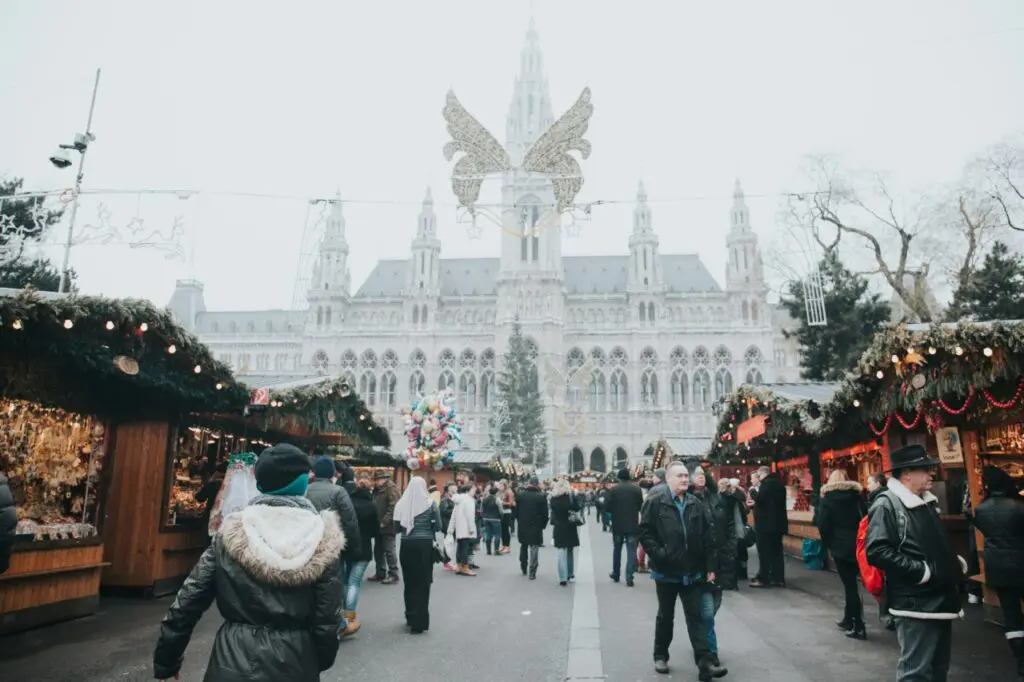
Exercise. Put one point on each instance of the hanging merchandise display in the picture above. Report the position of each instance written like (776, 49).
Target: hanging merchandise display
(52, 460)
(238, 489)
(433, 430)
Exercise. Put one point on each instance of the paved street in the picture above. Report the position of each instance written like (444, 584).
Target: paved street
(500, 627)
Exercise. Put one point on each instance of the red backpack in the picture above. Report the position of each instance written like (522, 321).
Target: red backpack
(873, 578)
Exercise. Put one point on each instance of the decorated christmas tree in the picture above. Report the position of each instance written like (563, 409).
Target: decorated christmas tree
(520, 433)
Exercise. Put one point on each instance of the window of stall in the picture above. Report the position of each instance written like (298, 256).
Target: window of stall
(197, 459)
(799, 481)
(53, 460)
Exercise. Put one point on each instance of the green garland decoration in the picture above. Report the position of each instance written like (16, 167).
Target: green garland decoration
(910, 368)
(329, 406)
(61, 351)
(790, 423)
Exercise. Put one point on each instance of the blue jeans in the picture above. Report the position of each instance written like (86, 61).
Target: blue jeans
(354, 584)
(565, 564)
(492, 534)
(710, 602)
(630, 541)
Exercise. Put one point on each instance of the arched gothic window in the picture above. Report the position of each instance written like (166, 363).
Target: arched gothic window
(467, 390)
(388, 383)
(723, 382)
(320, 362)
(679, 388)
(701, 389)
(619, 393)
(597, 460)
(598, 392)
(417, 385)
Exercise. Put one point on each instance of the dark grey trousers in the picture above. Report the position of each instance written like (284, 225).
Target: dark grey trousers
(925, 649)
(529, 553)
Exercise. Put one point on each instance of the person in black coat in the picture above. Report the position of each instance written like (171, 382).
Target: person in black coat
(563, 528)
(8, 524)
(532, 505)
(838, 517)
(359, 557)
(1000, 518)
(273, 572)
(770, 523)
(324, 494)
(728, 520)
(623, 503)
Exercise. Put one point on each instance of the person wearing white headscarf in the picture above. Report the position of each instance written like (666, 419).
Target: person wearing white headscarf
(419, 519)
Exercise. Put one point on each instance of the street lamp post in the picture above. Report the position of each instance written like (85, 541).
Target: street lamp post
(81, 145)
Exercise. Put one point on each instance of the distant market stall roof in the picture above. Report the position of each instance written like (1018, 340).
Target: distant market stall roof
(114, 357)
(763, 421)
(323, 406)
(688, 446)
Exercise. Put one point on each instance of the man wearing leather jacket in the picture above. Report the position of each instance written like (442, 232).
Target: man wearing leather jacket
(676, 533)
(907, 541)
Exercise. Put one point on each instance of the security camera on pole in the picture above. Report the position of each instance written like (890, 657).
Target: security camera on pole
(62, 159)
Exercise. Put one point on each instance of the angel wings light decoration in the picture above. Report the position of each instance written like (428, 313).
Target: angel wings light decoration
(483, 156)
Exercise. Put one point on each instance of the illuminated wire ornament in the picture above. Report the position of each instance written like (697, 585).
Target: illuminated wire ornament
(549, 157)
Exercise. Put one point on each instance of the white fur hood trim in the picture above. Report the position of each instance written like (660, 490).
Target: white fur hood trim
(841, 485)
(286, 546)
(909, 499)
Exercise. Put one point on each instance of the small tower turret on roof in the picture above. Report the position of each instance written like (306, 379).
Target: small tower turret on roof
(644, 260)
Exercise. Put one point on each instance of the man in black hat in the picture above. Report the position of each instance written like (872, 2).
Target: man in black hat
(908, 542)
(623, 503)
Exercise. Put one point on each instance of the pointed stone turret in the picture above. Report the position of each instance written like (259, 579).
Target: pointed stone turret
(425, 262)
(644, 261)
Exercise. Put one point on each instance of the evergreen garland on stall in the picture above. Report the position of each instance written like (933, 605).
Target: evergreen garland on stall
(108, 356)
(941, 371)
(330, 406)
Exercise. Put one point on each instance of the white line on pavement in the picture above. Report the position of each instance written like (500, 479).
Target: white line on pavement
(585, 631)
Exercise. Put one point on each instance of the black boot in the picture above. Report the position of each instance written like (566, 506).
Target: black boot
(710, 671)
(857, 630)
(1017, 645)
(845, 624)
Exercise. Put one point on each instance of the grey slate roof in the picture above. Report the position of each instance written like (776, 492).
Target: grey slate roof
(246, 321)
(682, 273)
(473, 457)
(819, 392)
(689, 446)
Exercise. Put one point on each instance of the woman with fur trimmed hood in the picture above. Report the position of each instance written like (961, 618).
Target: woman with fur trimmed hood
(273, 571)
(838, 516)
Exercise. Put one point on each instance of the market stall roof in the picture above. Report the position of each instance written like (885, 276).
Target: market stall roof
(324, 405)
(467, 457)
(113, 357)
(937, 373)
(818, 392)
(689, 446)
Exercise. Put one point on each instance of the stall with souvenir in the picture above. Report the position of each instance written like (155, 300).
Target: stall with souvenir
(84, 379)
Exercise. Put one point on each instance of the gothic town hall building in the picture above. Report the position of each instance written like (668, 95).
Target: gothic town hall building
(664, 336)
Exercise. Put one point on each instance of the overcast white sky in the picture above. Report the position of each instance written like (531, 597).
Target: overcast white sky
(303, 98)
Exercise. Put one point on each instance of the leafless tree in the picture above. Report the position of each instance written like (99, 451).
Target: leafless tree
(1003, 168)
(907, 240)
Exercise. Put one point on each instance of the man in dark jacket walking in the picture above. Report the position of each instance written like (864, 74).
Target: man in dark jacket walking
(533, 519)
(384, 548)
(771, 523)
(676, 532)
(623, 503)
(324, 494)
(908, 542)
(8, 523)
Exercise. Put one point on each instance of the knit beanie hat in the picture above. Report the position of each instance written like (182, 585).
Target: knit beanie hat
(347, 475)
(279, 467)
(623, 474)
(323, 468)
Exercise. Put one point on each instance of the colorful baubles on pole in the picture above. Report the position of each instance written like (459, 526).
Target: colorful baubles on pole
(433, 430)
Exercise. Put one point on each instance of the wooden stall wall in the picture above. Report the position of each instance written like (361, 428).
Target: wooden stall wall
(144, 556)
(49, 582)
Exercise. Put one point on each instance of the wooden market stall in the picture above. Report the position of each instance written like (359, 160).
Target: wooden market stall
(158, 538)
(799, 430)
(83, 381)
(958, 390)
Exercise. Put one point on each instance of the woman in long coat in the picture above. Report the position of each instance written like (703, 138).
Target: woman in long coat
(839, 512)
(566, 536)
(725, 510)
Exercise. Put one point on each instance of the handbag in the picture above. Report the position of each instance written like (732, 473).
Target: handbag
(439, 548)
(575, 515)
(745, 534)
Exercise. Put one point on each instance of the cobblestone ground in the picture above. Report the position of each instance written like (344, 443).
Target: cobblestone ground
(500, 627)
